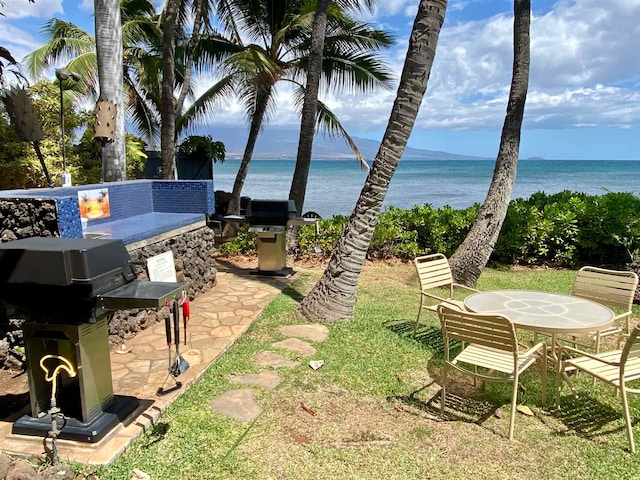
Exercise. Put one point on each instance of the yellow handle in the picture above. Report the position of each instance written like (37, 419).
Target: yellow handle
(52, 377)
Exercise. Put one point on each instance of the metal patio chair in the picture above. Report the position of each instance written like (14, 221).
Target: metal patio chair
(434, 272)
(491, 349)
(616, 367)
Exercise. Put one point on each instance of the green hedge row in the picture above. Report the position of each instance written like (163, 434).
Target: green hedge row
(564, 229)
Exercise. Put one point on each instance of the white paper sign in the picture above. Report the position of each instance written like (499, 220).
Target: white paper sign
(161, 268)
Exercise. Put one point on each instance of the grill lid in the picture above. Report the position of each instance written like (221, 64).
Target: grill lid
(270, 212)
(104, 264)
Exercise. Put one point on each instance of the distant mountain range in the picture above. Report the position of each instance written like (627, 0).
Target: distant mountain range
(280, 143)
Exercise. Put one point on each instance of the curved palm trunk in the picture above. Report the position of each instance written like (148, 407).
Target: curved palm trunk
(308, 121)
(333, 297)
(167, 107)
(254, 131)
(109, 54)
(473, 254)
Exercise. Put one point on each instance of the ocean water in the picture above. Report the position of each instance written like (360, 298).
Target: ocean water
(334, 185)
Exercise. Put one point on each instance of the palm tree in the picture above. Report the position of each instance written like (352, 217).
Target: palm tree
(167, 107)
(109, 56)
(474, 252)
(144, 63)
(333, 297)
(277, 49)
(310, 105)
(141, 60)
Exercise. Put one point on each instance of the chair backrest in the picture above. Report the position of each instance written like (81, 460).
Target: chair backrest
(493, 331)
(433, 271)
(613, 288)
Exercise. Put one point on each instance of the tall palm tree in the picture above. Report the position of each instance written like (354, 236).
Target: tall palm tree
(310, 105)
(141, 36)
(197, 48)
(333, 297)
(109, 56)
(474, 252)
(277, 49)
(167, 107)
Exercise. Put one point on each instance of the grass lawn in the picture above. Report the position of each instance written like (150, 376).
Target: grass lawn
(376, 405)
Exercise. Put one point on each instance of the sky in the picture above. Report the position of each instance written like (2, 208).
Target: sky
(584, 88)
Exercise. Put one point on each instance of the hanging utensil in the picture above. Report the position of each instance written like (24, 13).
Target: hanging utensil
(167, 328)
(181, 365)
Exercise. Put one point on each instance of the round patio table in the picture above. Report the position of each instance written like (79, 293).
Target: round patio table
(549, 313)
(546, 312)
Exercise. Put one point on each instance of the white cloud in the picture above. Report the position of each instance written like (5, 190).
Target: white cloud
(41, 9)
(16, 40)
(584, 70)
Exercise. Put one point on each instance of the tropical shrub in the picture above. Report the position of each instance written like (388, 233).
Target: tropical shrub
(564, 229)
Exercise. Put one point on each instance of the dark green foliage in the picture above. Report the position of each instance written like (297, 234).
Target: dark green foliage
(244, 244)
(19, 167)
(570, 229)
(565, 229)
(204, 148)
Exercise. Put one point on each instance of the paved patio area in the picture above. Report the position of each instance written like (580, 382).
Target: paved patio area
(218, 318)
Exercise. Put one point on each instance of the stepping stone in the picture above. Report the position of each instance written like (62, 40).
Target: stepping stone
(267, 379)
(315, 333)
(272, 359)
(237, 404)
(296, 345)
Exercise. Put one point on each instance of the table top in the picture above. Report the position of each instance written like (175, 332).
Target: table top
(543, 311)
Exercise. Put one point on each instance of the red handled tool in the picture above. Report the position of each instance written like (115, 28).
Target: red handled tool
(186, 312)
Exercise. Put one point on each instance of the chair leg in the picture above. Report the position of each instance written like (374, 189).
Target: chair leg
(559, 369)
(415, 329)
(514, 401)
(627, 418)
(544, 375)
(444, 387)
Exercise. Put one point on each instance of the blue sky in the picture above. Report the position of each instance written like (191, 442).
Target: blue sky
(584, 90)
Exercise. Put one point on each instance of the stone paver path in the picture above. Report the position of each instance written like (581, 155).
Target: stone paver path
(239, 404)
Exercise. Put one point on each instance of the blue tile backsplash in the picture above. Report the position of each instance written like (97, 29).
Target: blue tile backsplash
(134, 206)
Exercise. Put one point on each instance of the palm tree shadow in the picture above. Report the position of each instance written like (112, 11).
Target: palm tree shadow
(587, 417)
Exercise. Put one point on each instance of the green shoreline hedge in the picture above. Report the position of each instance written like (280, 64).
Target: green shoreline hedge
(565, 229)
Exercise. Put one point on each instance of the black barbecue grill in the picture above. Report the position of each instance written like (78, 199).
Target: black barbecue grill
(65, 290)
(269, 220)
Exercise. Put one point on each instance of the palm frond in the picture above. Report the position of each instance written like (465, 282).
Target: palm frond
(202, 108)
(327, 123)
(65, 41)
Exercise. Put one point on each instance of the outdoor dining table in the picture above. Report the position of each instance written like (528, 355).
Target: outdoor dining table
(544, 312)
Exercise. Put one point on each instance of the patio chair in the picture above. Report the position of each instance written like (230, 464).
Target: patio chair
(612, 288)
(491, 349)
(434, 272)
(616, 367)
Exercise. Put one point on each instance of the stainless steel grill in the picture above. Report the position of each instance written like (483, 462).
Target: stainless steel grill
(65, 291)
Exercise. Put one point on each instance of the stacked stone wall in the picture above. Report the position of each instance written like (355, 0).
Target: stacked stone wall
(27, 218)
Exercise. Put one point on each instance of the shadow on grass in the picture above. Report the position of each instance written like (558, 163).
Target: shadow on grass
(457, 408)
(429, 336)
(587, 417)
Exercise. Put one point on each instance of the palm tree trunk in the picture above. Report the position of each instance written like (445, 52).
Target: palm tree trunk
(309, 107)
(254, 131)
(168, 107)
(193, 42)
(109, 54)
(473, 254)
(333, 297)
